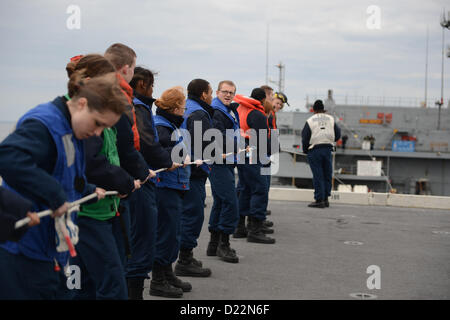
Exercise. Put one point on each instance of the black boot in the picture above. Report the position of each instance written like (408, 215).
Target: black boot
(173, 280)
(327, 204)
(256, 234)
(188, 266)
(241, 230)
(187, 254)
(265, 229)
(249, 224)
(268, 223)
(224, 250)
(213, 243)
(135, 288)
(159, 285)
(317, 204)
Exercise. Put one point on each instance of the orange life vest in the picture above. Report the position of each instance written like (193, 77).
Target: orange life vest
(247, 105)
(128, 92)
(274, 120)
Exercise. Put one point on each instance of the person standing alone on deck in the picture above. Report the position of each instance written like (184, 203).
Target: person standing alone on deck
(318, 137)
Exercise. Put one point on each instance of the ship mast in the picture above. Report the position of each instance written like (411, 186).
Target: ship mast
(426, 74)
(444, 24)
(267, 55)
(281, 77)
(280, 66)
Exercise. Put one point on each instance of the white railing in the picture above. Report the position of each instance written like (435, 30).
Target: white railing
(377, 101)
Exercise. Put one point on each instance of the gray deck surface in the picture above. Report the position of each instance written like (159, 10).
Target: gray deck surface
(310, 259)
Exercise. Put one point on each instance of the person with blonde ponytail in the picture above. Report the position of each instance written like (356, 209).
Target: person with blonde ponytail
(102, 272)
(44, 161)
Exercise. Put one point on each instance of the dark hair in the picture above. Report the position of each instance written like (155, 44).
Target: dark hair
(318, 105)
(91, 65)
(143, 74)
(196, 87)
(258, 94)
(120, 55)
(103, 93)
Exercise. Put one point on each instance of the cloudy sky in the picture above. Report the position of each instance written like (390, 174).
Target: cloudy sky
(324, 44)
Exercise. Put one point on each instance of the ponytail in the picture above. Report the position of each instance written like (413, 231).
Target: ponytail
(90, 65)
(171, 99)
(70, 68)
(103, 93)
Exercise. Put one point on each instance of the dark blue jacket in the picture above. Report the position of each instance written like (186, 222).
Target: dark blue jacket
(166, 123)
(258, 121)
(270, 118)
(203, 115)
(12, 208)
(28, 158)
(151, 149)
(68, 175)
(130, 159)
(225, 119)
(273, 137)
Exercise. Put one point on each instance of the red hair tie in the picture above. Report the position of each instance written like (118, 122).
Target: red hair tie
(76, 58)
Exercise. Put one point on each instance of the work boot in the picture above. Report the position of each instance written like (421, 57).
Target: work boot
(213, 243)
(241, 230)
(249, 224)
(159, 285)
(317, 204)
(135, 288)
(224, 250)
(327, 204)
(268, 223)
(173, 280)
(187, 254)
(188, 266)
(256, 234)
(266, 229)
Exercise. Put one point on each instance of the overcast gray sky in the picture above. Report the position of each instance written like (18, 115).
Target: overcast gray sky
(324, 44)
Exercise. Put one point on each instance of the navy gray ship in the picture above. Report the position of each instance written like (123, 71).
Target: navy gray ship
(385, 148)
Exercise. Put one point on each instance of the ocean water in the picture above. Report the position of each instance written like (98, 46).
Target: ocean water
(6, 128)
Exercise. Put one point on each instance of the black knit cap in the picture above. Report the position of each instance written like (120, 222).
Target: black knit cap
(318, 105)
(258, 94)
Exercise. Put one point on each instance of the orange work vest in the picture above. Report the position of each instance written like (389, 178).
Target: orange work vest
(247, 105)
(274, 120)
(128, 92)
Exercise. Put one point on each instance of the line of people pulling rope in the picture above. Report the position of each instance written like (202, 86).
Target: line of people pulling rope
(103, 135)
